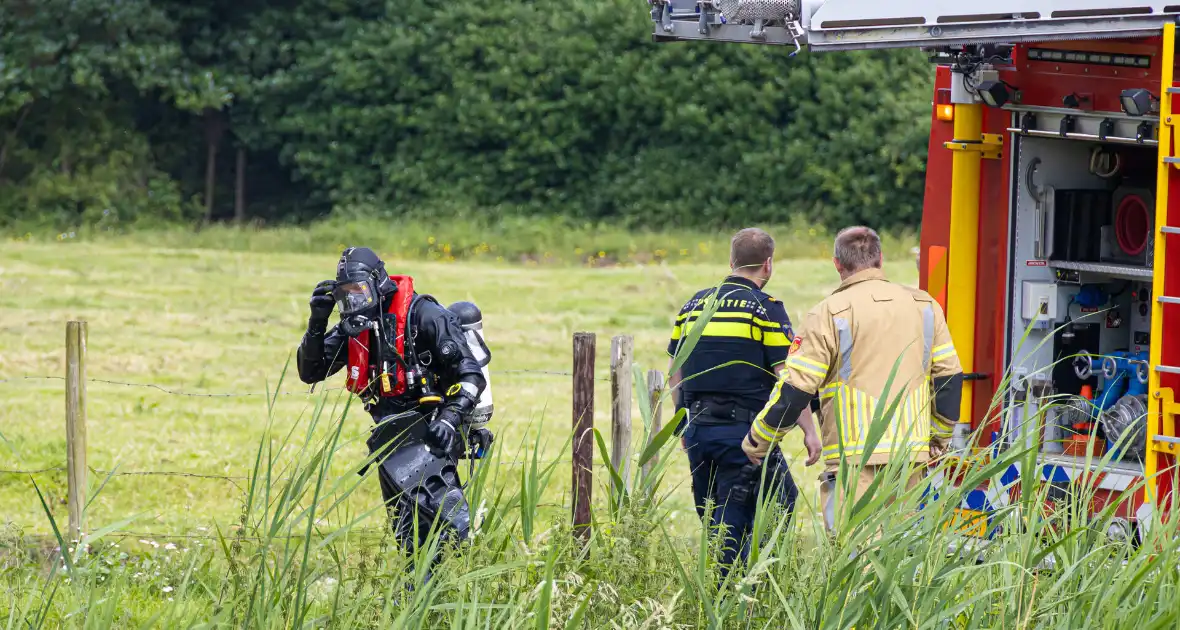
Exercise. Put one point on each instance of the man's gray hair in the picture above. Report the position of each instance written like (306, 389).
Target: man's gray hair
(857, 248)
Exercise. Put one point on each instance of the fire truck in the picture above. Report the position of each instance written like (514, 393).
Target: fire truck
(1051, 214)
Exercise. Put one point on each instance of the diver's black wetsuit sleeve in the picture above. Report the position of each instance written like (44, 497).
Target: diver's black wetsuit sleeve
(320, 354)
(451, 357)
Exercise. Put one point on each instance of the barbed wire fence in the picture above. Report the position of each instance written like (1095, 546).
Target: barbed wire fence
(582, 383)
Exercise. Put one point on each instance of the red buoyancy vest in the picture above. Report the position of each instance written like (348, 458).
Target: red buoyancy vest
(359, 370)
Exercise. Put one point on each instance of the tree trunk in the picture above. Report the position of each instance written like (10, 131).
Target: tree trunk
(210, 179)
(240, 187)
(213, 131)
(11, 137)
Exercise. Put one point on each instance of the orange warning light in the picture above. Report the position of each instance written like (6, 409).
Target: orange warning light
(945, 111)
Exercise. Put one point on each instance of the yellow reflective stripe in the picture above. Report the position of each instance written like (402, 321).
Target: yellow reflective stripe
(916, 407)
(765, 432)
(767, 323)
(943, 352)
(939, 428)
(811, 362)
(798, 363)
(676, 333)
(846, 412)
(841, 415)
(943, 348)
(906, 415)
(833, 451)
(775, 339)
(829, 391)
(693, 315)
(728, 329)
(774, 394)
(863, 414)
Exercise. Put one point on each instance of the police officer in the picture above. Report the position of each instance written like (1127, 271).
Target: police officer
(846, 352)
(410, 362)
(724, 382)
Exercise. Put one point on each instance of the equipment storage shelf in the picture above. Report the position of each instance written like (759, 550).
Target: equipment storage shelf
(1076, 463)
(1110, 270)
(1081, 304)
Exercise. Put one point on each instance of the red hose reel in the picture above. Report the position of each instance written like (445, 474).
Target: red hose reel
(1132, 225)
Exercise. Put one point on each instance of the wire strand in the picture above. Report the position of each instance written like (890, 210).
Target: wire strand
(175, 392)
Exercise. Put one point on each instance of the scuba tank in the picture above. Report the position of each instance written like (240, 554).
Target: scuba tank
(471, 320)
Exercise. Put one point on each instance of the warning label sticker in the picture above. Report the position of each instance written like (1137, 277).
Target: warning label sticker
(1036, 263)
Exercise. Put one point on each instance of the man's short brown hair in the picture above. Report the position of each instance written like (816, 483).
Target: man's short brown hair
(750, 248)
(857, 248)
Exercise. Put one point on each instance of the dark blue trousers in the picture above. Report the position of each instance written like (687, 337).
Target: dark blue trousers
(716, 458)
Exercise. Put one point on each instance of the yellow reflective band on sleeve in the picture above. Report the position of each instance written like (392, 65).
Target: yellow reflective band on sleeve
(815, 364)
(775, 339)
(774, 394)
(939, 428)
(676, 333)
(764, 432)
(829, 391)
(807, 365)
(943, 352)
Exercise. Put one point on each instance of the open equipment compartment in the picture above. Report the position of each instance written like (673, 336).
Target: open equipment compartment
(1079, 305)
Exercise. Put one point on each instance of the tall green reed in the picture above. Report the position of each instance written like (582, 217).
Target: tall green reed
(301, 555)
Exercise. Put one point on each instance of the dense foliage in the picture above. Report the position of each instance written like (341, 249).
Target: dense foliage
(114, 112)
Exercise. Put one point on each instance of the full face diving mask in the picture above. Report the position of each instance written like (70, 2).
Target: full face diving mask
(356, 300)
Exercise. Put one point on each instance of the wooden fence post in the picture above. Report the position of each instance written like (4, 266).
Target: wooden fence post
(76, 425)
(621, 380)
(583, 441)
(655, 389)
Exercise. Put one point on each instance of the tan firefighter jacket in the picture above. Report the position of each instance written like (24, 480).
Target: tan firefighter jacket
(845, 351)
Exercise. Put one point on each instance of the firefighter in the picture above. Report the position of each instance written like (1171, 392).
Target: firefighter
(412, 364)
(724, 382)
(846, 350)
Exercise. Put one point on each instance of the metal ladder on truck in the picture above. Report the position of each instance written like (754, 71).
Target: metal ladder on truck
(866, 24)
(1162, 405)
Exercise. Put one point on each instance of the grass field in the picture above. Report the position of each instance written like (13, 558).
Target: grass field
(218, 322)
(291, 541)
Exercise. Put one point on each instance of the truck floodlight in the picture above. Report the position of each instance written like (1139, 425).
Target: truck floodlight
(1136, 101)
(993, 93)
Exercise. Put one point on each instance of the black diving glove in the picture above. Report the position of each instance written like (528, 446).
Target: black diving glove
(322, 302)
(444, 432)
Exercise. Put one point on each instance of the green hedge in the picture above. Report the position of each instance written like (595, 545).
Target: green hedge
(545, 107)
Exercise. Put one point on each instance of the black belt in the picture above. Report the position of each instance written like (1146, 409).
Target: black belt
(709, 413)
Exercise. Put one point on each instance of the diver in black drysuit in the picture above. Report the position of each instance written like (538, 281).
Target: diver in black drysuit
(419, 485)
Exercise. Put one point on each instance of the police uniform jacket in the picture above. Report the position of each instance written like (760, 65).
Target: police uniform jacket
(846, 351)
(734, 358)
